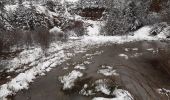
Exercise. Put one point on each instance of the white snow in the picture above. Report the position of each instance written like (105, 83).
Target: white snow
(165, 33)
(86, 92)
(24, 58)
(143, 33)
(135, 49)
(22, 80)
(80, 66)
(65, 68)
(72, 0)
(87, 62)
(120, 95)
(10, 7)
(55, 30)
(68, 80)
(124, 55)
(126, 49)
(41, 9)
(150, 49)
(102, 87)
(107, 71)
(136, 55)
(94, 54)
(163, 91)
(94, 28)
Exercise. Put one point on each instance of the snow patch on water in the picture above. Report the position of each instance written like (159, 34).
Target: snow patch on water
(86, 92)
(126, 49)
(124, 55)
(81, 66)
(135, 49)
(102, 87)
(68, 80)
(136, 55)
(150, 49)
(107, 71)
(120, 95)
(163, 91)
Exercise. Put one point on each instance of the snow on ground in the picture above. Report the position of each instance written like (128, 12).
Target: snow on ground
(80, 66)
(38, 67)
(22, 80)
(24, 58)
(124, 56)
(143, 33)
(120, 95)
(107, 71)
(69, 79)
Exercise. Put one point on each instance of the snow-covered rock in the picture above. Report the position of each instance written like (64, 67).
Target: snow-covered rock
(124, 55)
(120, 95)
(68, 80)
(107, 71)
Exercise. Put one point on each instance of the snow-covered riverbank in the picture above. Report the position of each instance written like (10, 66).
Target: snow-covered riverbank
(30, 63)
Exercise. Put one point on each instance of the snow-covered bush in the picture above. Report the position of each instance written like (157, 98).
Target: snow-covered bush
(51, 5)
(158, 28)
(165, 33)
(74, 25)
(57, 34)
(122, 20)
(27, 18)
(133, 14)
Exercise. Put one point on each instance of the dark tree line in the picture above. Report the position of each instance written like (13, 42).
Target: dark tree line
(24, 26)
(129, 15)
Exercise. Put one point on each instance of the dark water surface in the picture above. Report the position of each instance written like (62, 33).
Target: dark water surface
(141, 74)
